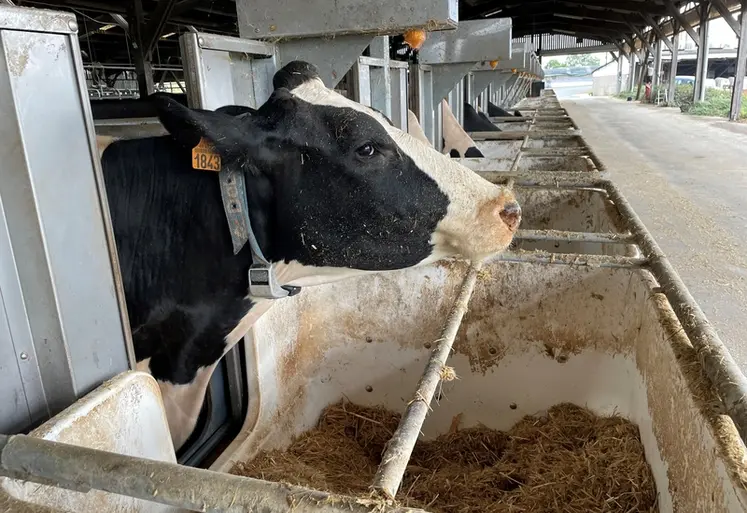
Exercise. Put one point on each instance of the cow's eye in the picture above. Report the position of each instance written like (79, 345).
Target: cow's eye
(367, 150)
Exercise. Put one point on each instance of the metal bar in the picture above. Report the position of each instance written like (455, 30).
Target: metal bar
(235, 44)
(399, 448)
(143, 66)
(566, 236)
(361, 84)
(520, 134)
(81, 469)
(726, 15)
(373, 61)
(154, 29)
(121, 21)
(381, 76)
(543, 257)
(677, 15)
(736, 94)
(718, 364)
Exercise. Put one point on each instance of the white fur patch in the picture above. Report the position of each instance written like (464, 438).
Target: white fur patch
(414, 128)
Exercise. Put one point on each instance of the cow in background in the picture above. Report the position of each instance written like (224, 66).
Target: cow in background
(494, 111)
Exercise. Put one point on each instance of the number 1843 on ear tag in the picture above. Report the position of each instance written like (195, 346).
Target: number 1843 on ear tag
(205, 157)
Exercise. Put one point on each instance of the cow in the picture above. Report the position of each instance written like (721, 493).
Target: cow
(333, 191)
(473, 122)
(496, 112)
(457, 143)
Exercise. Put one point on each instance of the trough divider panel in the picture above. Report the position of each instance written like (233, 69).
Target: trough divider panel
(399, 448)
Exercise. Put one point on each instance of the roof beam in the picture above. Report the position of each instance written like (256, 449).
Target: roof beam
(618, 6)
(657, 30)
(154, 29)
(562, 11)
(727, 16)
(674, 11)
(569, 27)
(623, 6)
(639, 35)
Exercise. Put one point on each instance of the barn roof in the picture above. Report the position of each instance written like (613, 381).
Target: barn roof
(104, 37)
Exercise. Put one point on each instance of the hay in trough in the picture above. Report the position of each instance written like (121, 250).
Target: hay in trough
(569, 460)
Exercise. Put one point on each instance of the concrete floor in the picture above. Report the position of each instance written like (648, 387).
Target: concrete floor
(686, 178)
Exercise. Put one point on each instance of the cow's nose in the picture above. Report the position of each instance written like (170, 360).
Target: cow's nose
(511, 215)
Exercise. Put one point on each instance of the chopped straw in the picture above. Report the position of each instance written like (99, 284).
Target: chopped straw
(569, 460)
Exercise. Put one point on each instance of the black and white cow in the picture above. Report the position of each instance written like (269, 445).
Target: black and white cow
(473, 122)
(495, 111)
(334, 190)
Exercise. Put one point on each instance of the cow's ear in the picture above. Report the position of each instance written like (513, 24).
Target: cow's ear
(226, 133)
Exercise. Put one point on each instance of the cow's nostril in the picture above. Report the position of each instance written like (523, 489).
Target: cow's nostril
(511, 214)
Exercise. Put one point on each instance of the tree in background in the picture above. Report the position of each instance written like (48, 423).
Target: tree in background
(554, 63)
(582, 60)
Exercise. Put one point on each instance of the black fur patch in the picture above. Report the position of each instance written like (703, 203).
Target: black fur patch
(473, 122)
(473, 152)
(454, 154)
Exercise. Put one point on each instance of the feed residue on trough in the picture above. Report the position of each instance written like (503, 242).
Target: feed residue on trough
(568, 460)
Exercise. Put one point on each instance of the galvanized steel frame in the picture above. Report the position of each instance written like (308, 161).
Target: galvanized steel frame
(63, 322)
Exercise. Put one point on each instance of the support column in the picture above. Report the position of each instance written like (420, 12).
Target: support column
(656, 79)
(631, 74)
(736, 94)
(619, 82)
(702, 68)
(673, 68)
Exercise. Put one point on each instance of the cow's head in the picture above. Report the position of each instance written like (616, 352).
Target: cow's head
(334, 187)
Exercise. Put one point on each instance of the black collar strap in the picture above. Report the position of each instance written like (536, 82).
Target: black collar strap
(262, 280)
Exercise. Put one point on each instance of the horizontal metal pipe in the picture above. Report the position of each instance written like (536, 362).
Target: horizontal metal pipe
(567, 236)
(520, 134)
(81, 469)
(543, 257)
(717, 362)
(399, 448)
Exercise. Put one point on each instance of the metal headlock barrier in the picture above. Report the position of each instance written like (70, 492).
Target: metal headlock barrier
(543, 150)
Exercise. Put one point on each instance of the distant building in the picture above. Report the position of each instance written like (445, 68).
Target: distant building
(604, 80)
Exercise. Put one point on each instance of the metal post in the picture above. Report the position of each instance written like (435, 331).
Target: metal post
(673, 68)
(381, 78)
(619, 84)
(736, 94)
(469, 89)
(63, 321)
(702, 67)
(143, 66)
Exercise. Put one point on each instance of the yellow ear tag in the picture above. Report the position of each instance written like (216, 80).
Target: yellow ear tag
(204, 156)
